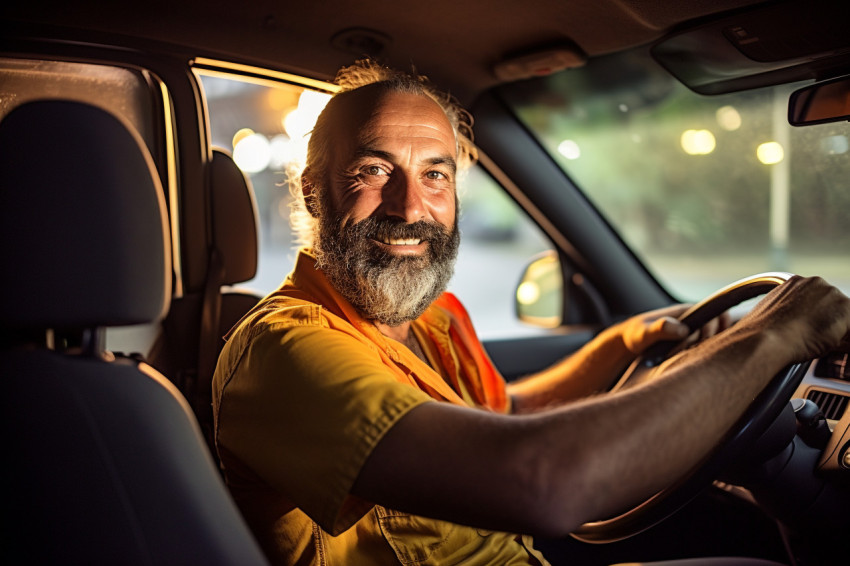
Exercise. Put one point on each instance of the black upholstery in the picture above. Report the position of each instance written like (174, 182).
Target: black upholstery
(103, 461)
(83, 240)
(191, 336)
(234, 219)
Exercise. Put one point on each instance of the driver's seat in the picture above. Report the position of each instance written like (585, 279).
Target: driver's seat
(103, 461)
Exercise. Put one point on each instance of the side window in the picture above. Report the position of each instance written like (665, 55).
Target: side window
(264, 126)
(498, 241)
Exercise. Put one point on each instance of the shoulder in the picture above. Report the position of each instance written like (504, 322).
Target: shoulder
(450, 303)
(278, 311)
(273, 319)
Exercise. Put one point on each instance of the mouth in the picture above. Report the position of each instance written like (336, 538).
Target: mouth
(401, 241)
(402, 246)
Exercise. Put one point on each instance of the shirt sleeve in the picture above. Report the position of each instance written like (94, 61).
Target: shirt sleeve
(304, 409)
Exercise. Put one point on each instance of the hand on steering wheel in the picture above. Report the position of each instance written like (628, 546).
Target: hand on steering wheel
(761, 413)
(642, 331)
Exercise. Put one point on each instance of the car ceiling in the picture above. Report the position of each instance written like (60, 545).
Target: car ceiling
(456, 42)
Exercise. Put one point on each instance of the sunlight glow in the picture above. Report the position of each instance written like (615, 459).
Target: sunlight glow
(299, 122)
(281, 153)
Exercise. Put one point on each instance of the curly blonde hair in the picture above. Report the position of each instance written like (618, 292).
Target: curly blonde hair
(366, 73)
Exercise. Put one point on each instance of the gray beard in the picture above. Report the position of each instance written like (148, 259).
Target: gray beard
(383, 287)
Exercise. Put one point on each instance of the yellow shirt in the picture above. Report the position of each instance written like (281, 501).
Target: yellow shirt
(304, 390)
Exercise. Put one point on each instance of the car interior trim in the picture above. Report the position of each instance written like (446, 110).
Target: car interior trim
(227, 69)
(172, 190)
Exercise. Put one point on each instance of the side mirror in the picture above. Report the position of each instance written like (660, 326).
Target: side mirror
(820, 103)
(540, 293)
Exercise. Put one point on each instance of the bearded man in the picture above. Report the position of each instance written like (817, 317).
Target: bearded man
(358, 418)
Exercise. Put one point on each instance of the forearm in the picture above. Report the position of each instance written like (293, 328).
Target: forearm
(590, 370)
(621, 450)
(552, 471)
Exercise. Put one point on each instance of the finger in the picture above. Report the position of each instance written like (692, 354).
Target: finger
(724, 321)
(709, 329)
(669, 328)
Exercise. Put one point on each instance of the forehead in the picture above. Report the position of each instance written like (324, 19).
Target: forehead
(396, 116)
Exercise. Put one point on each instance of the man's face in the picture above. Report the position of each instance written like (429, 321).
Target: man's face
(387, 230)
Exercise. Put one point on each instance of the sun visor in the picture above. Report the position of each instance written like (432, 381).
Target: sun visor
(774, 44)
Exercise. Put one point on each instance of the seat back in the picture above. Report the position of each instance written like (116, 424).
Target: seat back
(191, 336)
(104, 462)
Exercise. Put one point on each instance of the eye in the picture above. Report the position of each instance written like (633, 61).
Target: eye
(436, 176)
(373, 170)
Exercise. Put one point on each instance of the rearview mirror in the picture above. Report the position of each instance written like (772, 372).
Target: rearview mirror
(820, 103)
(540, 293)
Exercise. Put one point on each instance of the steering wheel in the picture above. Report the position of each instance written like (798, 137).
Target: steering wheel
(755, 420)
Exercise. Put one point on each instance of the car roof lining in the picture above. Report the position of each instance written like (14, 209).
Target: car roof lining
(305, 38)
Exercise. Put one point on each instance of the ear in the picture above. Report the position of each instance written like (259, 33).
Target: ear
(308, 191)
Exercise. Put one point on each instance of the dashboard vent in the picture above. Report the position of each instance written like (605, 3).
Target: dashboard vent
(832, 405)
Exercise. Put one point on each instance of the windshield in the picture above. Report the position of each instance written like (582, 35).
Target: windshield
(705, 190)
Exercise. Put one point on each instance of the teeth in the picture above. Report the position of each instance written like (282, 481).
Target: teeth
(401, 242)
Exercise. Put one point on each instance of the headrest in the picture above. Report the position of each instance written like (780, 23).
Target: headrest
(83, 237)
(234, 219)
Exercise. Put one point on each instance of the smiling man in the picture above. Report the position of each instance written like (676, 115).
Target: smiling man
(388, 234)
(358, 418)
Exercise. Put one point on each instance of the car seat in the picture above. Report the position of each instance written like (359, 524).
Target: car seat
(104, 462)
(191, 337)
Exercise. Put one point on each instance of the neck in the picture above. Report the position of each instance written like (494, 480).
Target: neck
(400, 333)
(403, 335)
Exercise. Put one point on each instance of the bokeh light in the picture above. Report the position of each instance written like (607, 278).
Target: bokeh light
(728, 118)
(698, 142)
(252, 153)
(569, 149)
(528, 293)
(770, 153)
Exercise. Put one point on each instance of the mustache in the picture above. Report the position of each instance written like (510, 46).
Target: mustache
(394, 228)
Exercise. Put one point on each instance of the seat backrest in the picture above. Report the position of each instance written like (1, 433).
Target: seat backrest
(191, 336)
(103, 461)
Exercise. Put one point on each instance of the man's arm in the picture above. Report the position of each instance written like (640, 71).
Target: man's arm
(550, 472)
(593, 368)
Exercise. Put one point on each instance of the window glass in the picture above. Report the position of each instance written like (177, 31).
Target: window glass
(263, 127)
(705, 189)
(498, 241)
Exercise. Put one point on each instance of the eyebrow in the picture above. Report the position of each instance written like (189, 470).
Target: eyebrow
(366, 151)
(444, 160)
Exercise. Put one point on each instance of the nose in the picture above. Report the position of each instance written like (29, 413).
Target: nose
(404, 197)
